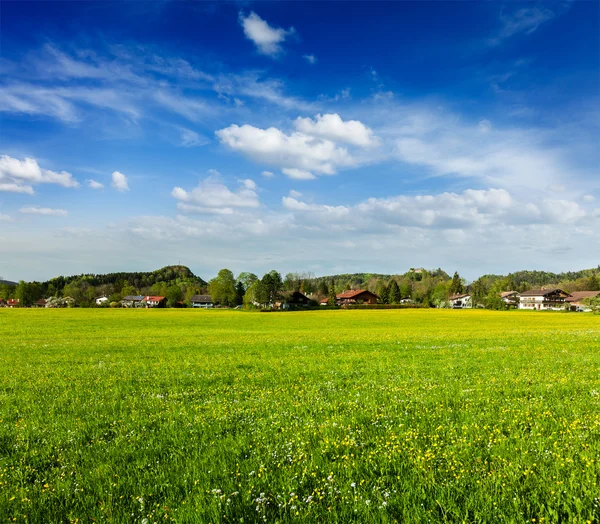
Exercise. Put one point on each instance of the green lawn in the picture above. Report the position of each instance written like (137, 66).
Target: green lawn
(333, 416)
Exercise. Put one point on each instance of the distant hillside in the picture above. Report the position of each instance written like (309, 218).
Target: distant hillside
(7, 283)
(138, 280)
(535, 278)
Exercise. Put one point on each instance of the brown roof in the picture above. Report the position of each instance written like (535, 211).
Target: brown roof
(153, 298)
(505, 294)
(542, 292)
(456, 297)
(202, 299)
(354, 293)
(41, 302)
(576, 296)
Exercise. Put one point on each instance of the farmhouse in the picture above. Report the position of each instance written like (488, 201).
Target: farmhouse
(461, 301)
(510, 298)
(360, 296)
(132, 301)
(292, 299)
(543, 299)
(40, 303)
(12, 302)
(202, 301)
(155, 301)
(102, 301)
(576, 300)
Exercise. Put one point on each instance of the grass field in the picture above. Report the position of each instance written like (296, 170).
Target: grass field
(337, 416)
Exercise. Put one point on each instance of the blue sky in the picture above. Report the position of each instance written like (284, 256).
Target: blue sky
(323, 137)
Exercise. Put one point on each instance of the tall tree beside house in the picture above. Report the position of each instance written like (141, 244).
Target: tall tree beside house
(273, 285)
(394, 293)
(222, 288)
(456, 287)
(174, 295)
(381, 290)
(331, 298)
(27, 293)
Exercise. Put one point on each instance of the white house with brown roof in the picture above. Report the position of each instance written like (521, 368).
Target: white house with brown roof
(510, 298)
(543, 299)
(461, 301)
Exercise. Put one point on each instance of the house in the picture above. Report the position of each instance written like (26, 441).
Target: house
(359, 296)
(102, 301)
(132, 301)
(155, 301)
(510, 298)
(576, 300)
(12, 302)
(324, 301)
(543, 299)
(292, 300)
(202, 301)
(461, 301)
(406, 300)
(40, 303)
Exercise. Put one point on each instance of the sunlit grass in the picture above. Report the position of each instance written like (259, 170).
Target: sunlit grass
(336, 416)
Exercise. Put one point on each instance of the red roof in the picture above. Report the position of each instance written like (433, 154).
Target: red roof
(12, 301)
(153, 298)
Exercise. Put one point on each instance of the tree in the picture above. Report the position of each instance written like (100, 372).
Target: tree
(331, 299)
(271, 284)
(222, 288)
(239, 293)
(174, 295)
(322, 289)
(247, 279)
(456, 287)
(24, 294)
(593, 283)
(394, 293)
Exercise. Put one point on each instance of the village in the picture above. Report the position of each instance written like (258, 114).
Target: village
(551, 299)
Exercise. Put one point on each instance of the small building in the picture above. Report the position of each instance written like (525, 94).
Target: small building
(359, 296)
(510, 298)
(202, 301)
(130, 301)
(543, 299)
(292, 299)
(324, 301)
(102, 301)
(12, 302)
(577, 298)
(461, 301)
(152, 301)
(406, 300)
(40, 303)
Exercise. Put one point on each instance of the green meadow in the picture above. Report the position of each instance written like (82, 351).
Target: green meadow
(327, 416)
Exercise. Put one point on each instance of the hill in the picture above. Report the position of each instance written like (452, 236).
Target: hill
(7, 283)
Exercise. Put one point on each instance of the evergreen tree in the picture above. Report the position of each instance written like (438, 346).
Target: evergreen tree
(323, 290)
(456, 287)
(331, 300)
(394, 293)
(593, 283)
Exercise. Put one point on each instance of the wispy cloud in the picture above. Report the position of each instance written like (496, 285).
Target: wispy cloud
(92, 184)
(527, 20)
(311, 59)
(46, 211)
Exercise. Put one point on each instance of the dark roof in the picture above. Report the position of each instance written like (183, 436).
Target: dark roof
(295, 296)
(202, 299)
(576, 296)
(355, 293)
(41, 302)
(456, 297)
(541, 292)
(134, 298)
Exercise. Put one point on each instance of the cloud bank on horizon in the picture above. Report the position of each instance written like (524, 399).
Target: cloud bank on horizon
(265, 142)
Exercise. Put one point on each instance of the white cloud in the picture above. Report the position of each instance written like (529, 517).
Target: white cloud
(18, 176)
(268, 174)
(92, 184)
(119, 181)
(298, 155)
(333, 127)
(311, 59)
(213, 196)
(298, 174)
(588, 198)
(295, 194)
(35, 210)
(266, 38)
(5, 218)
